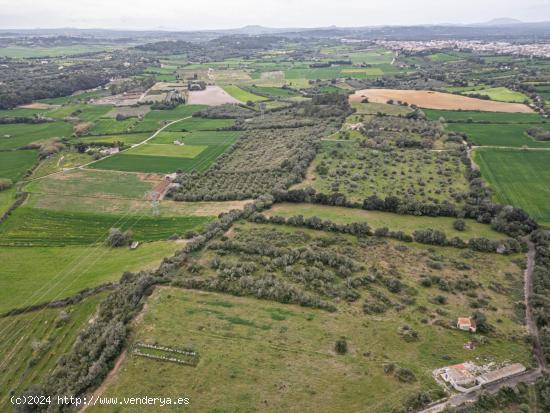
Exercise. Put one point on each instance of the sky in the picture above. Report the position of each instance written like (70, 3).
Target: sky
(224, 14)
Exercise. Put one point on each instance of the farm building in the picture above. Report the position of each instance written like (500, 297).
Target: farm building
(501, 373)
(466, 324)
(459, 374)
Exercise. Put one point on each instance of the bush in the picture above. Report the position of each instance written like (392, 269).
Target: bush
(341, 346)
(5, 184)
(405, 375)
(459, 225)
(118, 238)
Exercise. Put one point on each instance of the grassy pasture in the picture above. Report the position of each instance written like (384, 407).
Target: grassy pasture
(372, 57)
(482, 117)
(25, 112)
(513, 135)
(374, 108)
(242, 95)
(7, 197)
(126, 138)
(502, 94)
(378, 219)
(274, 91)
(88, 113)
(113, 126)
(22, 365)
(14, 164)
(154, 119)
(41, 274)
(213, 144)
(200, 124)
(93, 183)
(272, 357)
(59, 161)
(18, 135)
(39, 227)
(518, 178)
(171, 150)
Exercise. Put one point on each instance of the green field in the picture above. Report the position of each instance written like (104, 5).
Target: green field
(41, 274)
(200, 124)
(127, 138)
(7, 196)
(170, 150)
(372, 57)
(374, 108)
(154, 119)
(14, 164)
(207, 147)
(40, 227)
(242, 95)
(82, 111)
(378, 219)
(502, 94)
(274, 91)
(18, 135)
(263, 356)
(513, 135)
(59, 161)
(92, 183)
(25, 112)
(33, 342)
(482, 117)
(518, 178)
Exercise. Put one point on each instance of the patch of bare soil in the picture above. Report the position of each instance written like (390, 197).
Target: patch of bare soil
(437, 100)
(212, 95)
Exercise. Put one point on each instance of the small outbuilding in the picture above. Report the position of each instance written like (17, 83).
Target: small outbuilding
(466, 324)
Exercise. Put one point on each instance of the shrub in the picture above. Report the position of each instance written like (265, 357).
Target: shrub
(118, 238)
(5, 183)
(405, 375)
(341, 346)
(459, 225)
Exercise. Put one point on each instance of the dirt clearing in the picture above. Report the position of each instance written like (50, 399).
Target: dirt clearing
(213, 96)
(437, 100)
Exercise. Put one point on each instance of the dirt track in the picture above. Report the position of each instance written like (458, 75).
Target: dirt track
(437, 100)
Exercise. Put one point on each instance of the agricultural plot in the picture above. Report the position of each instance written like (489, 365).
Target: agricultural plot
(125, 138)
(211, 96)
(518, 178)
(242, 95)
(371, 57)
(155, 119)
(102, 184)
(7, 196)
(463, 116)
(197, 152)
(15, 136)
(24, 112)
(358, 172)
(40, 227)
(248, 347)
(60, 161)
(513, 135)
(276, 92)
(200, 124)
(14, 164)
(88, 113)
(33, 342)
(113, 126)
(502, 94)
(437, 100)
(42, 274)
(374, 108)
(377, 219)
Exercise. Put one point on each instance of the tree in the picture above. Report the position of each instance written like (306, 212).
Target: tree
(118, 238)
(5, 184)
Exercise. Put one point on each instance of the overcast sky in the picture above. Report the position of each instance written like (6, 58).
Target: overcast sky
(215, 14)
